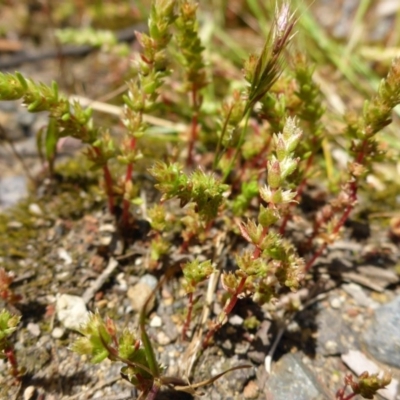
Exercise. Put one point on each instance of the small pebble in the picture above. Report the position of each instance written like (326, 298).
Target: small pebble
(71, 311)
(331, 346)
(29, 392)
(242, 348)
(138, 295)
(359, 295)
(109, 228)
(336, 303)
(57, 333)
(227, 345)
(14, 225)
(35, 209)
(150, 280)
(156, 322)
(33, 329)
(123, 285)
(235, 320)
(65, 256)
(163, 339)
(63, 276)
(106, 239)
(250, 391)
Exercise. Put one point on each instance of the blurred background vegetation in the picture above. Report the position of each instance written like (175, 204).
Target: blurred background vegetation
(350, 42)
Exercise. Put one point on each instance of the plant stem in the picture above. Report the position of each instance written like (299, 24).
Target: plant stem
(193, 127)
(128, 178)
(254, 163)
(257, 250)
(348, 209)
(10, 354)
(188, 316)
(239, 146)
(226, 311)
(153, 391)
(218, 156)
(108, 182)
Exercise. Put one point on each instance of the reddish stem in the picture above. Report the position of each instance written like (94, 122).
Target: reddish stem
(188, 316)
(257, 250)
(191, 235)
(350, 396)
(185, 243)
(337, 227)
(128, 178)
(347, 211)
(341, 393)
(193, 129)
(109, 183)
(153, 392)
(227, 310)
(10, 354)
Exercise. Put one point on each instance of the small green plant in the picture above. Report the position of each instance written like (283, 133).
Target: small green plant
(101, 339)
(6, 293)
(8, 325)
(366, 385)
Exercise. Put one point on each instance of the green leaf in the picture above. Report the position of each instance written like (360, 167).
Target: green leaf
(51, 138)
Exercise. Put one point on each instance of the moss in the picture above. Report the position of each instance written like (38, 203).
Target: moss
(69, 196)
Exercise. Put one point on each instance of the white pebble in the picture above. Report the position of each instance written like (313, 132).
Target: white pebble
(29, 392)
(57, 333)
(336, 303)
(71, 311)
(35, 209)
(156, 322)
(33, 329)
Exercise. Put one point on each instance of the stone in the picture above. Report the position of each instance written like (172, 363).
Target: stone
(236, 320)
(163, 339)
(382, 338)
(359, 295)
(250, 391)
(57, 333)
(35, 209)
(29, 393)
(139, 293)
(65, 256)
(235, 381)
(71, 311)
(156, 322)
(12, 189)
(33, 329)
(292, 379)
(332, 332)
(336, 303)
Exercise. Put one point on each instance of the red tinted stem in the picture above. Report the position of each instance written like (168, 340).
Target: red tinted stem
(227, 310)
(348, 209)
(10, 354)
(188, 316)
(193, 129)
(108, 182)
